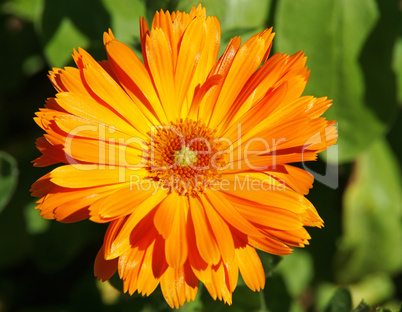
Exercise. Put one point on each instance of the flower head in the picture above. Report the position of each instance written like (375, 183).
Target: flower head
(185, 155)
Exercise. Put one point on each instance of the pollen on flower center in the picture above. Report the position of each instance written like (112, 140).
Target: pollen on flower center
(185, 157)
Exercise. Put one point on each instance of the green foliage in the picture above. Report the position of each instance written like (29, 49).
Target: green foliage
(372, 216)
(341, 301)
(354, 50)
(8, 178)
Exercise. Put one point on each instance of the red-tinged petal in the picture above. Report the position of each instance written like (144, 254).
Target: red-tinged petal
(201, 269)
(218, 288)
(122, 240)
(159, 264)
(251, 268)
(104, 269)
(42, 186)
(147, 282)
(144, 32)
(232, 273)
(51, 154)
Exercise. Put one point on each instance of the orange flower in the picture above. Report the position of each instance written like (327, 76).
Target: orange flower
(186, 157)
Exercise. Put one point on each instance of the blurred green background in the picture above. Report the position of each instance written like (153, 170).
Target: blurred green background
(354, 50)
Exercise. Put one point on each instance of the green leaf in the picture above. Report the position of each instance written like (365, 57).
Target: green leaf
(341, 301)
(397, 67)
(375, 288)
(67, 37)
(350, 61)
(297, 270)
(34, 222)
(26, 9)
(372, 216)
(8, 178)
(71, 24)
(125, 16)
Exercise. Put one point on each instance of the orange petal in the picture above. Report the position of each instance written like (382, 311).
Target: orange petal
(221, 68)
(221, 231)
(254, 188)
(86, 107)
(67, 79)
(251, 268)
(201, 269)
(159, 58)
(246, 61)
(205, 238)
(147, 282)
(231, 215)
(298, 179)
(129, 265)
(176, 247)
(82, 175)
(111, 233)
(178, 286)
(134, 77)
(70, 205)
(120, 203)
(112, 95)
(191, 46)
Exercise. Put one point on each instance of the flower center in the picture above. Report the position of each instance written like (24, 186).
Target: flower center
(185, 157)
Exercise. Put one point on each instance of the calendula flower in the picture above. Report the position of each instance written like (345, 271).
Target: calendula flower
(185, 155)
